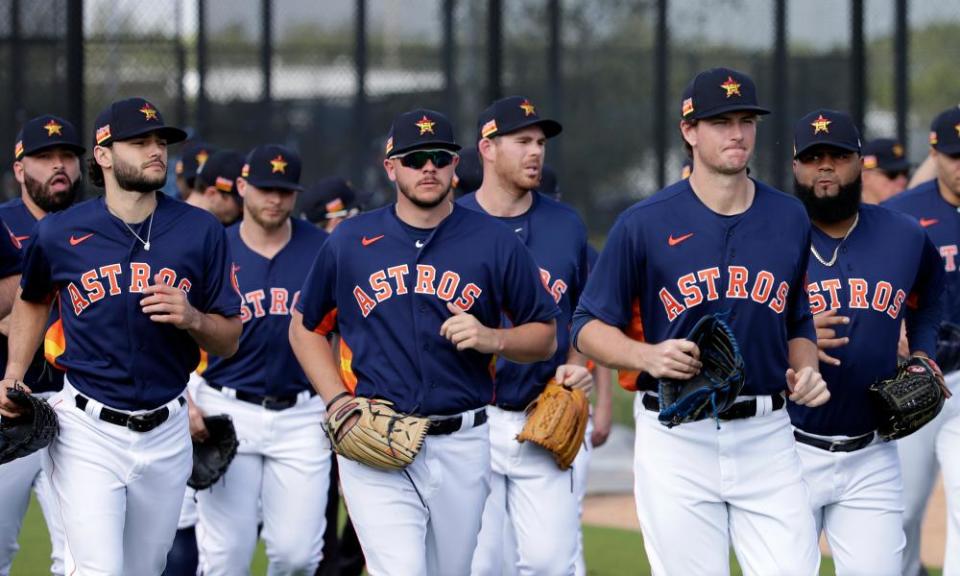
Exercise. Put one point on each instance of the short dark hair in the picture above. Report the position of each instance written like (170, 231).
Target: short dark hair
(95, 172)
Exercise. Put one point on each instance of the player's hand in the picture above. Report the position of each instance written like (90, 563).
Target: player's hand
(574, 376)
(807, 387)
(466, 332)
(827, 336)
(168, 305)
(602, 423)
(10, 409)
(678, 359)
(198, 430)
(938, 373)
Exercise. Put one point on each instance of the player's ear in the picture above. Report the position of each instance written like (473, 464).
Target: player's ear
(688, 133)
(487, 149)
(241, 186)
(390, 169)
(18, 171)
(103, 156)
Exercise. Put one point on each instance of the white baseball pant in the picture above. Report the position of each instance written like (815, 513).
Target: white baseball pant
(424, 519)
(856, 498)
(935, 446)
(119, 491)
(538, 501)
(699, 490)
(282, 468)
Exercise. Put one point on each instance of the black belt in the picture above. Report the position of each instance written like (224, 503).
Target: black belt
(849, 445)
(144, 422)
(268, 402)
(451, 425)
(740, 410)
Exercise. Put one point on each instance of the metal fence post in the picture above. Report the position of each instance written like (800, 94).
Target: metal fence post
(660, 87)
(16, 66)
(203, 106)
(448, 56)
(901, 71)
(266, 66)
(555, 70)
(494, 50)
(781, 93)
(858, 62)
(360, 98)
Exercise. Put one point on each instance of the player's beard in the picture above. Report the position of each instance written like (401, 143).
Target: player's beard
(133, 179)
(268, 222)
(830, 209)
(45, 198)
(426, 204)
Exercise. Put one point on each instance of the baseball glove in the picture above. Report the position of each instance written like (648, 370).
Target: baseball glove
(34, 429)
(948, 347)
(212, 456)
(907, 401)
(715, 388)
(369, 431)
(556, 421)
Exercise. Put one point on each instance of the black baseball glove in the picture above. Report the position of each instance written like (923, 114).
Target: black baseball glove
(908, 400)
(715, 388)
(212, 456)
(948, 347)
(34, 429)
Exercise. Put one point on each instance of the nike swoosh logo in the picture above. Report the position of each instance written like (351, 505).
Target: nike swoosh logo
(368, 241)
(674, 241)
(926, 222)
(74, 240)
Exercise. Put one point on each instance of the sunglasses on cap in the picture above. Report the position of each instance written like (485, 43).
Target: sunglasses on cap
(418, 158)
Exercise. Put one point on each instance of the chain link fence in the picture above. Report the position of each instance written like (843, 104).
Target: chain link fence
(327, 77)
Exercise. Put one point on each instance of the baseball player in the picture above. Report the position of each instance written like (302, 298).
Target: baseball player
(47, 168)
(871, 268)
(417, 290)
(886, 170)
(284, 457)
(141, 281)
(527, 488)
(193, 155)
(215, 186)
(717, 242)
(935, 205)
(329, 202)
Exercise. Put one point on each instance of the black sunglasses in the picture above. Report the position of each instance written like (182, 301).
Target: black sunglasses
(418, 159)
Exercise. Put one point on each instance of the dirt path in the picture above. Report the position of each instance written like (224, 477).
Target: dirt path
(618, 511)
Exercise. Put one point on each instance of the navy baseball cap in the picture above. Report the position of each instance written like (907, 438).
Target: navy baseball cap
(221, 171)
(945, 132)
(469, 172)
(717, 91)
(419, 129)
(331, 197)
(885, 154)
(126, 119)
(43, 132)
(511, 114)
(824, 127)
(193, 155)
(272, 166)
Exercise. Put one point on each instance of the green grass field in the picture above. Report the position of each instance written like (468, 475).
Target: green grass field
(609, 552)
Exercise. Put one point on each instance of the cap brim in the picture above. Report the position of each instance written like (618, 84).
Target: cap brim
(435, 145)
(949, 149)
(730, 108)
(171, 134)
(550, 128)
(278, 184)
(79, 150)
(895, 166)
(841, 146)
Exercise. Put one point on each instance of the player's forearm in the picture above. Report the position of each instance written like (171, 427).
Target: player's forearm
(576, 358)
(27, 322)
(218, 335)
(803, 354)
(315, 355)
(530, 342)
(603, 384)
(8, 293)
(609, 346)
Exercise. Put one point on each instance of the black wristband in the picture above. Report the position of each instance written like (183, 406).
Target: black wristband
(337, 397)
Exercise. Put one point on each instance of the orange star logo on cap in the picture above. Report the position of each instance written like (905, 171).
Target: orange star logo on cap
(821, 124)
(278, 164)
(149, 112)
(528, 108)
(53, 128)
(731, 86)
(898, 151)
(425, 125)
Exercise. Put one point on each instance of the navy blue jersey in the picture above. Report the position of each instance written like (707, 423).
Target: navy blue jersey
(592, 257)
(669, 260)
(264, 364)
(41, 376)
(557, 238)
(886, 270)
(942, 223)
(9, 252)
(387, 290)
(111, 350)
